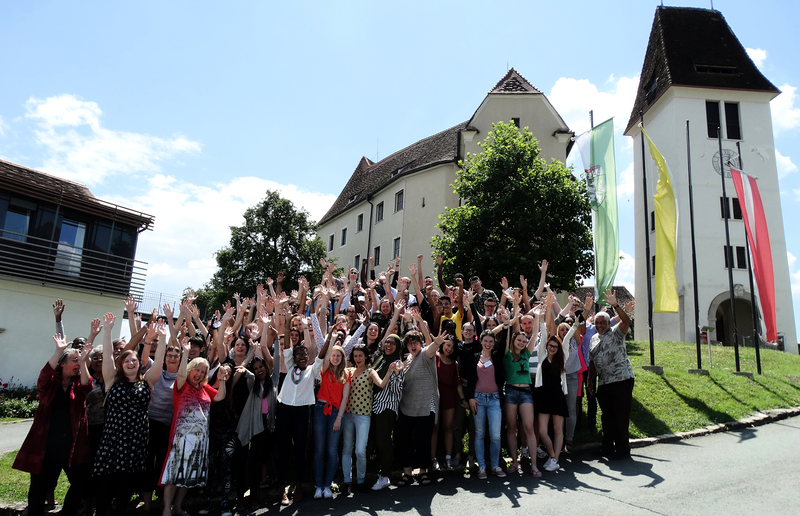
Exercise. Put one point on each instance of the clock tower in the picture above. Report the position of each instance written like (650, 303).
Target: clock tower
(697, 73)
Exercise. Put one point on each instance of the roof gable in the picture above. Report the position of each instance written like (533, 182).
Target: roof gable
(513, 82)
(369, 178)
(45, 187)
(693, 47)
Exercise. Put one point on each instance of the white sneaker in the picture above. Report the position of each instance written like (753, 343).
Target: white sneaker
(523, 453)
(381, 483)
(327, 493)
(540, 452)
(551, 465)
(318, 493)
(434, 464)
(448, 465)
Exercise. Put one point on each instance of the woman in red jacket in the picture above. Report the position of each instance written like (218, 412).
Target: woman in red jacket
(59, 436)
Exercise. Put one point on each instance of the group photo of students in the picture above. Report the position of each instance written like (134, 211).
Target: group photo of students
(370, 380)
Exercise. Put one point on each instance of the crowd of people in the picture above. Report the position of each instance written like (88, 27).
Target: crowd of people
(365, 364)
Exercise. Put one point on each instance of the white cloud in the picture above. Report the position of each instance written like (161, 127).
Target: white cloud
(80, 148)
(625, 182)
(795, 276)
(626, 273)
(785, 115)
(785, 165)
(193, 222)
(757, 55)
(574, 98)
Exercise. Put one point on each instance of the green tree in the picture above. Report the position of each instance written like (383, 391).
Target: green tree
(517, 211)
(275, 237)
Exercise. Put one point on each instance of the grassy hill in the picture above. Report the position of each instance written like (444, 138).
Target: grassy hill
(679, 401)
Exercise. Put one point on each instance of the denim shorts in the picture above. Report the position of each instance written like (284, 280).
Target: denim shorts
(517, 396)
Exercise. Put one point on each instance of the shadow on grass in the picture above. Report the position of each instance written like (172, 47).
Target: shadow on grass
(732, 395)
(645, 421)
(779, 395)
(715, 416)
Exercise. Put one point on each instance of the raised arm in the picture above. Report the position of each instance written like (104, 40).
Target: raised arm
(130, 307)
(624, 320)
(58, 311)
(84, 365)
(549, 300)
(542, 279)
(61, 346)
(162, 333)
(109, 365)
(439, 277)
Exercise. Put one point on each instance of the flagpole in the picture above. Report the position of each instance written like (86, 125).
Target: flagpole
(647, 249)
(728, 255)
(694, 251)
(756, 338)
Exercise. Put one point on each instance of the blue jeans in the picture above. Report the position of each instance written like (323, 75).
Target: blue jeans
(355, 429)
(326, 446)
(488, 409)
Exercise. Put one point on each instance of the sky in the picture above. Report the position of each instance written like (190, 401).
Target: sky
(190, 111)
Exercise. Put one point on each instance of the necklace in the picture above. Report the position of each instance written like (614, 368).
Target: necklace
(297, 375)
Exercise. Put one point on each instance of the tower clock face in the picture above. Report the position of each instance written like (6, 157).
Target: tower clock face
(729, 159)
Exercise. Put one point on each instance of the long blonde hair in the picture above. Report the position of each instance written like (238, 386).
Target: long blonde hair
(338, 371)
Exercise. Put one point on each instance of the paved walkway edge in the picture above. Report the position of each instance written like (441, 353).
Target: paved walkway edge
(755, 419)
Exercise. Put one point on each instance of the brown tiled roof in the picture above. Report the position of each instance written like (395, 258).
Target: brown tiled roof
(45, 187)
(513, 82)
(368, 177)
(693, 47)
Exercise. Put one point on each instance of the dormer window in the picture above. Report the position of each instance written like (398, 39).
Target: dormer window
(715, 69)
(352, 199)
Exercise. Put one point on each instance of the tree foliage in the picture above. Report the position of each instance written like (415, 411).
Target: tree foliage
(517, 211)
(275, 237)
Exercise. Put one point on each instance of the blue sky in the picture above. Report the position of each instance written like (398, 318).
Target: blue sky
(189, 111)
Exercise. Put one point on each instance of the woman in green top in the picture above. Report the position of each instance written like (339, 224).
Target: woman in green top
(518, 395)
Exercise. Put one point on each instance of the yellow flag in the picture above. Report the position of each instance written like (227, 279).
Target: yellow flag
(666, 235)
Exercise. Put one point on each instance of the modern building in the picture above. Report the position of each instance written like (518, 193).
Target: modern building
(57, 240)
(391, 207)
(697, 72)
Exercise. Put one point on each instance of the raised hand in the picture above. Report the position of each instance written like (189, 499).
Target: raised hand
(412, 269)
(226, 305)
(130, 304)
(191, 296)
(269, 282)
(439, 260)
(152, 331)
(185, 344)
(504, 283)
(61, 342)
(108, 321)
(280, 278)
(439, 339)
(162, 330)
(400, 304)
(236, 296)
(523, 282)
(168, 311)
(58, 309)
(94, 328)
(543, 267)
(611, 297)
(469, 296)
(629, 306)
(228, 315)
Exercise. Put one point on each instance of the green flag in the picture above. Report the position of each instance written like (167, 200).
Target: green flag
(597, 153)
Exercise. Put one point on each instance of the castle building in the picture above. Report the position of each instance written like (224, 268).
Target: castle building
(391, 208)
(696, 70)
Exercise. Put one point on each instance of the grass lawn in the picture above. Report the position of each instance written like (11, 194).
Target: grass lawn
(675, 402)
(679, 401)
(14, 484)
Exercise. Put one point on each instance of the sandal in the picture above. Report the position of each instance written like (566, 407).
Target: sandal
(424, 480)
(512, 469)
(405, 480)
(536, 473)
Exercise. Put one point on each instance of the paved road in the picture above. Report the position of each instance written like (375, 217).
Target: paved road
(12, 435)
(750, 472)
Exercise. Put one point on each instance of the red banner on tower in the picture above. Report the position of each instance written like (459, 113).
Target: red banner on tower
(755, 222)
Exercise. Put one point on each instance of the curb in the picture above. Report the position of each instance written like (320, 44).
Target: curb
(15, 422)
(755, 419)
